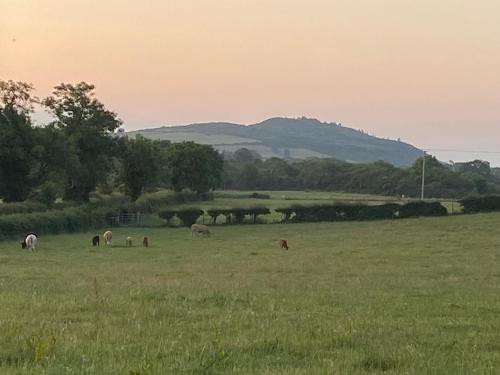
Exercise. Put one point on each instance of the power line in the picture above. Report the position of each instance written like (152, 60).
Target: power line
(464, 151)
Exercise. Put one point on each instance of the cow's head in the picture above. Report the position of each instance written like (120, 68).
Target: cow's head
(23, 244)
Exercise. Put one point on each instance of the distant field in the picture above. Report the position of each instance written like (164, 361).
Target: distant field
(216, 139)
(416, 296)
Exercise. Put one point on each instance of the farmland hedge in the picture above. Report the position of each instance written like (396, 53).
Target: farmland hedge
(50, 222)
(188, 216)
(481, 204)
(346, 212)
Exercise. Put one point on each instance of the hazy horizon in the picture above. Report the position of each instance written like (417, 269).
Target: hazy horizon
(426, 72)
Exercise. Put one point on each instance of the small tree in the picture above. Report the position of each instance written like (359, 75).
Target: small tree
(189, 216)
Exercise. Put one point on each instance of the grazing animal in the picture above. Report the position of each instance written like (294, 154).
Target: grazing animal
(30, 242)
(107, 237)
(199, 229)
(128, 242)
(145, 242)
(23, 242)
(282, 244)
(95, 241)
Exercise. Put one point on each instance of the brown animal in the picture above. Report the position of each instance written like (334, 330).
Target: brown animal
(199, 229)
(107, 237)
(282, 244)
(145, 242)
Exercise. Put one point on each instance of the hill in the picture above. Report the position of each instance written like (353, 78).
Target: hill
(291, 139)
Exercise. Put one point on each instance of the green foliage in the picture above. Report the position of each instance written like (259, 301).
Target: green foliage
(140, 165)
(259, 196)
(195, 167)
(379, 178)
(417, 209)
(21, 208)
(55, 221)
(18, 153)
(359, 212)
(46, 194)
(214, 213)
(86, 124)
(481, 204)
(189, 216)
(167, 215)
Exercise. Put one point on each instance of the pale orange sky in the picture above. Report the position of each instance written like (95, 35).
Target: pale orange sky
(427, 71)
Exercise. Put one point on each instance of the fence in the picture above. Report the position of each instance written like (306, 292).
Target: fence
(135, 220)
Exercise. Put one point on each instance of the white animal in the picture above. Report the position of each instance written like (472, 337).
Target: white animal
(31, 241)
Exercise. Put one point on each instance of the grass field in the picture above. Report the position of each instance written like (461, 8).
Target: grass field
(416, 296)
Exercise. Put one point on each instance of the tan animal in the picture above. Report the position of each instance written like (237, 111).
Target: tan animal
(128, 242)
(199, 229)
(107, 237)
(145, 242)
(282, 244)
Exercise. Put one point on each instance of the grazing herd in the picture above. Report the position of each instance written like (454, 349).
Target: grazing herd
(30, 242)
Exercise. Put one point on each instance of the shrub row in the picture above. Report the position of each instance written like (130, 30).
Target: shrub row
(54, 221)
(481, 204)
(345, 212)
(237, 215)
(21, 208)
(188, 216)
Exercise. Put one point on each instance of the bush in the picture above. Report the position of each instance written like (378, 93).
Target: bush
(256, 211)
(259, 196)
(286, 213)
(167, 215)
(53, 222)
(214, 213)
(46, 194)
(416, 209)
(379, 212)
(21, 208)
(481, 204)
(189, 216)
(346, 212)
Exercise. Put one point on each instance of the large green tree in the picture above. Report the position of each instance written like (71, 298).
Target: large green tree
(18, 152)
(87, 126)
(140, 165)
(194, 166)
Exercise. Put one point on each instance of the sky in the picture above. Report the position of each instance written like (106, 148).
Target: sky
(425, 71)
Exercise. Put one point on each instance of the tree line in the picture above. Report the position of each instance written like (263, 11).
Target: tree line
(246, 170)
(82, 149)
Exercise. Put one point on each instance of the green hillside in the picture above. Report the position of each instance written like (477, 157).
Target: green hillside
(291, 138)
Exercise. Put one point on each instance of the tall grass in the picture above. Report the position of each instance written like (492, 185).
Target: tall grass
(416, 296)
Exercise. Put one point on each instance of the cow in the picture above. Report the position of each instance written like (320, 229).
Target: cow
(107, 237)
(199, 229)
(145, 242)
(128, 242)
(30, 242)
(282, 244)
(95, 241)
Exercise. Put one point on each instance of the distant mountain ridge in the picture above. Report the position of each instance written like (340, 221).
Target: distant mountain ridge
(292, 139)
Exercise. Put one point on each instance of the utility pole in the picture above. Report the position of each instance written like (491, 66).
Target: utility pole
(423, 177)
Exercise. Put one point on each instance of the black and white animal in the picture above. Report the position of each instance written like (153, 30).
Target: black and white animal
(95, 241)
(30, 242)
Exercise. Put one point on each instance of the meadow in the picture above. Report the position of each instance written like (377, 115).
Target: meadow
(415, 296)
